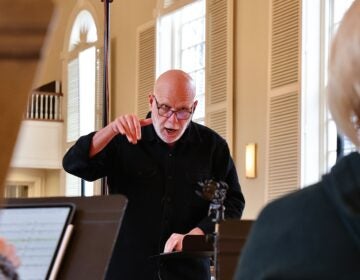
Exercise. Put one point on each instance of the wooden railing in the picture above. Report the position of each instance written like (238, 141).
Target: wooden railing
(44, 104)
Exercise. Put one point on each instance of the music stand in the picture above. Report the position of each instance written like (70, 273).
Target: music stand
(97, 223)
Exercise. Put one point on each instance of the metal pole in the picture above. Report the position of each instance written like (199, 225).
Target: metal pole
(82, 190)
(104, 189)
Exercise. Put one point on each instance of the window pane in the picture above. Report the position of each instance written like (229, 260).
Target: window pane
(164, 44)
(73, 185)
(193, 58)
(194, 11)
(193, 33)
(83, 30)
(89, 188)
(87, 60)
(199, 78)
(181, 44)
(85, 78)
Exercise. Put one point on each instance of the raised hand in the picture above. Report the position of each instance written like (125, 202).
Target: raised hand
(130, 126)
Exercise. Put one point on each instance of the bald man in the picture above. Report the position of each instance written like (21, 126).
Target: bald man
(157, 163)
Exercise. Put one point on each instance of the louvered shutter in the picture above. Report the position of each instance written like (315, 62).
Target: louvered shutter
(99, 101)
(219, 68)
(99, 90)
(73, 106)
(145, 66)
(283, 170)
(73, 121)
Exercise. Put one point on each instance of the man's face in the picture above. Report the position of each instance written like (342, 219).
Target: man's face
(171, 114)
(172, 105)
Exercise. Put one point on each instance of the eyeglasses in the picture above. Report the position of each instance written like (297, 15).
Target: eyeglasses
(166, 111)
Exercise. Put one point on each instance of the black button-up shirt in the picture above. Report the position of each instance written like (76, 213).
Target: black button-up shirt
(160, 184)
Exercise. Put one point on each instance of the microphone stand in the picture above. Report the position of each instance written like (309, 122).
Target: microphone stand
(104, 189)
(215, 192)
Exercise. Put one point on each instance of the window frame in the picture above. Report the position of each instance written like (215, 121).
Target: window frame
(319, 133)
(73, 51)
(175, 50)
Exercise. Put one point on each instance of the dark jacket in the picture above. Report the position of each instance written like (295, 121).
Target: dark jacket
(160, 185)
(313, 233)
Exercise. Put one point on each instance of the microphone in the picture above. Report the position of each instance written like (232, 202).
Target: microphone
(215, 192)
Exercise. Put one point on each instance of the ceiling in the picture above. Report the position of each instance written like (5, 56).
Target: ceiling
(23, 25)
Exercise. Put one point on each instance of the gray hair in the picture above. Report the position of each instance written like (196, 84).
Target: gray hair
(344, 75)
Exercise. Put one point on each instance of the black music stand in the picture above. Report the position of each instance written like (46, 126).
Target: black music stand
(97, 223)
(231, 240)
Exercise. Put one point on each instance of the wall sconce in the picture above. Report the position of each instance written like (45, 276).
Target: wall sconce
(250, 161)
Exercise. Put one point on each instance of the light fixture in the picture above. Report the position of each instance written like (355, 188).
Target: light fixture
(250, 160)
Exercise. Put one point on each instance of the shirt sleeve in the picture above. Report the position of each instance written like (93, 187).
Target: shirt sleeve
(77, 161)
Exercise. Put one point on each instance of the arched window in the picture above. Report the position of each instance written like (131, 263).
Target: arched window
(84, 78)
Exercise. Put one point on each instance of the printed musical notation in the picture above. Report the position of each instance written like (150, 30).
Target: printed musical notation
(36, 234)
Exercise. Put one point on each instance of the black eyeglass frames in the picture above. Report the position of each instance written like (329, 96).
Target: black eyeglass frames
(166, 111)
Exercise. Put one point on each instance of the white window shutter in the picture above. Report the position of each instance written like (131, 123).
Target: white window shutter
(73, 106)
(283, 160)
(145, 66)
(99, 91)
(99, 101)
(219, 68)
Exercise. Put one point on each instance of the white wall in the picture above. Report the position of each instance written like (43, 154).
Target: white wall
(251, 66)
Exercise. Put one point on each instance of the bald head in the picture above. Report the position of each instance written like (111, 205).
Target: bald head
(175, 83)
(344, 75)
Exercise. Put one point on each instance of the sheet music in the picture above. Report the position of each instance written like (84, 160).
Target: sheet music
(36, 233)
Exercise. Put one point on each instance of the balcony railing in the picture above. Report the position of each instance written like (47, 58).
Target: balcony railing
(44, 103)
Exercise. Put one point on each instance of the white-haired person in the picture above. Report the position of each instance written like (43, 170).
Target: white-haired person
(314, 233)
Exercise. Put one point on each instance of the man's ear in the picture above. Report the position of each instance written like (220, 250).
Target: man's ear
(151, 99)
(194, 106)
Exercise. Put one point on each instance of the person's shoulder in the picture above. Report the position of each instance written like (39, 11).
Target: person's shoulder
(294, 205)
(288, 219)
(203, 128)
(207, 133)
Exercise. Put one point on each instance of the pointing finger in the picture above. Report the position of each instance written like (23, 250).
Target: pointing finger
(145, 122)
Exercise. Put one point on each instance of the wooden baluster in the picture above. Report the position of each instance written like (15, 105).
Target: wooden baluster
(41, 106)
(37, 115)
(56, 107)
(46, 99)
